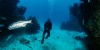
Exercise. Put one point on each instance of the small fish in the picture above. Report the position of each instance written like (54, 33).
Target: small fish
(1, 25)
(19, 24)
(83, 22)
(3, 18)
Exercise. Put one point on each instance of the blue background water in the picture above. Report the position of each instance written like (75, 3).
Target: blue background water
(57, 10)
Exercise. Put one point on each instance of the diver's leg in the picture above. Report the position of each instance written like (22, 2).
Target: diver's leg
(42, 41)
(48, 34)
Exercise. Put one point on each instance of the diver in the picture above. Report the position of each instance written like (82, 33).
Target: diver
(47, 28)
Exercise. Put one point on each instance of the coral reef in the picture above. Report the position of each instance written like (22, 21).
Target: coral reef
(10, 13)
(72, 25)
(89, 11)
(88, 15)
(34, 27)
(75, 22)
(7, 8)
(24, 41)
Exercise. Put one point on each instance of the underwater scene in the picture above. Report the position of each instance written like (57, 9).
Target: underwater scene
(49, 25)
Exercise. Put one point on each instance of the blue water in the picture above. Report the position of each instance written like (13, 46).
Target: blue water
(58, 12)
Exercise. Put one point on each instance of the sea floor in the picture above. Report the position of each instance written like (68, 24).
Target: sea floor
(58, 40)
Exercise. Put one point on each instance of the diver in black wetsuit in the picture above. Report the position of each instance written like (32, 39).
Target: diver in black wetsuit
(47, 28)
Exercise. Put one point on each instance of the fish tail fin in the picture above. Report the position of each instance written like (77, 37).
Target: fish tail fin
(30, 21)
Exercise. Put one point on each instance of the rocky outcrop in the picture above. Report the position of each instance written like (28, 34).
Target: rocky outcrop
(34, 27)
(88, 15)
(91, 13)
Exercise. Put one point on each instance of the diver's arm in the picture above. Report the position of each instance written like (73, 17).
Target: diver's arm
(44, 26)
(50, 26)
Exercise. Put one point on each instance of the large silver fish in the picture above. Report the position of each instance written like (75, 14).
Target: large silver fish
(18, 24)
